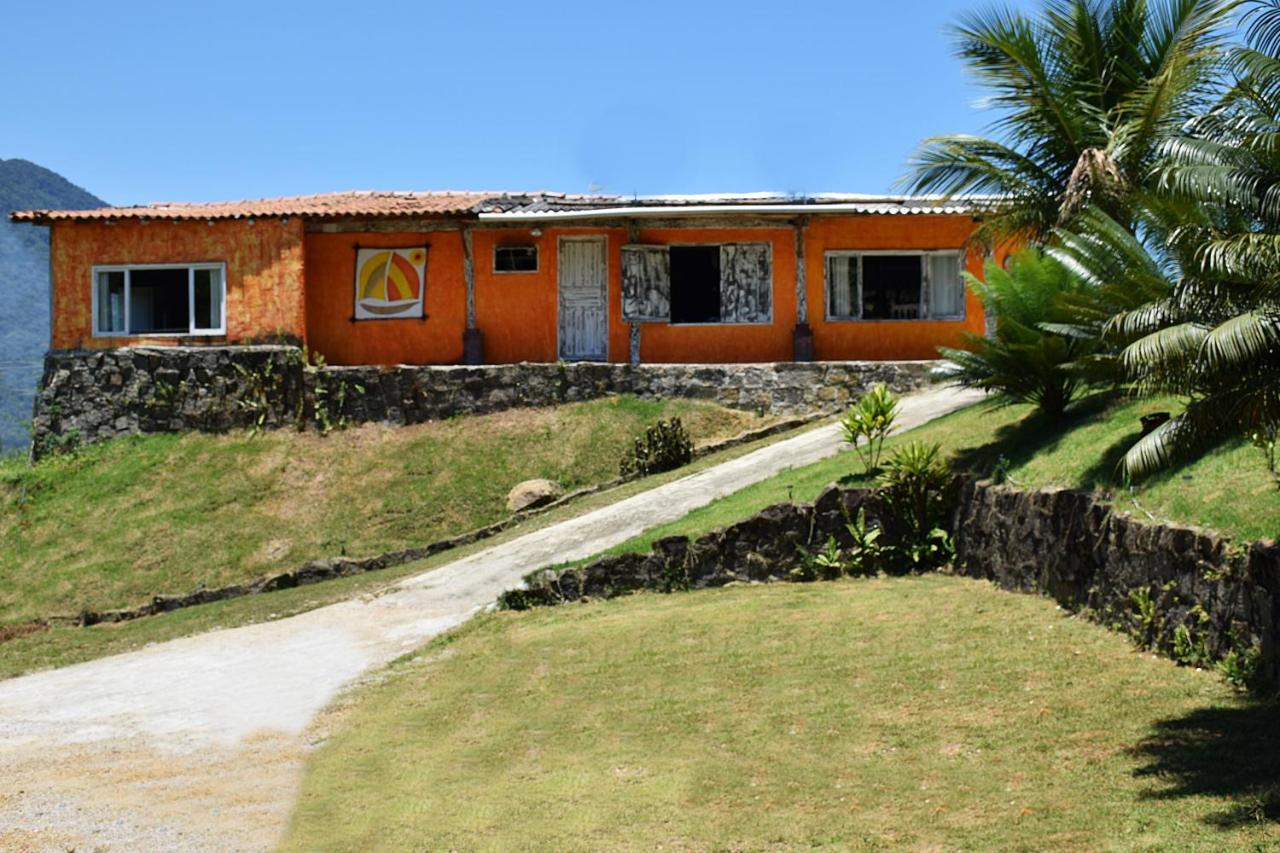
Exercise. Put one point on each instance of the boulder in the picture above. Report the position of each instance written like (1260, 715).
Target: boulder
(532, 494)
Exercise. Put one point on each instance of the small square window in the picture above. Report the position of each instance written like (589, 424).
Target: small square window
(515, 259)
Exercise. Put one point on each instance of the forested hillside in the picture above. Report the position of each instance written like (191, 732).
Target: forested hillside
(24, 286)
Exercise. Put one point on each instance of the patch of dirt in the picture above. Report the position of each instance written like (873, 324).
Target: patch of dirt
(128, 796)
(22, 629)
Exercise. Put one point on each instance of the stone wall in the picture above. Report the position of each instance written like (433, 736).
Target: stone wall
(1154, 582)
(88, 396)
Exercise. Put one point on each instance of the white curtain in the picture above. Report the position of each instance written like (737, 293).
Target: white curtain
(841, 283)
(946, 286)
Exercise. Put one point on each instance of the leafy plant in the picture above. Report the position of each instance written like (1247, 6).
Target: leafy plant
(1148, 615)
(1087, 93)
(329, 395)
(827, 564)
(1241, 666)
(868, 423)
(919, 489)
(865, 556)
(665, 446)
(1022, 361)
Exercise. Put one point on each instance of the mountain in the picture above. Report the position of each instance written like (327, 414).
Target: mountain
(24, 287)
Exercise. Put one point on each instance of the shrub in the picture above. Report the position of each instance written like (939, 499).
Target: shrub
(866, 554)
(827, 564)
(1023, 361)
(919, 489)
(868, 422)
(665, 446)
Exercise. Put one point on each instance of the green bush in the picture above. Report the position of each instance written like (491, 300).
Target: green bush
(665, 446)
(868, 423)
(1023, 361)
(918, 486)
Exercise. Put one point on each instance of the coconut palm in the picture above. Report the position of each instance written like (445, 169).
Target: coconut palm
(1216, 339)
(1088, 92)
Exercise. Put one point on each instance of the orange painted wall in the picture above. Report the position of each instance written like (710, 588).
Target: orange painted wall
(885, 339)
(727, 343)
(331, 263)
(265, 296)
(516, 312)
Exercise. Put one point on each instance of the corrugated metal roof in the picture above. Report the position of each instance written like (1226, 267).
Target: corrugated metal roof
(512, 205)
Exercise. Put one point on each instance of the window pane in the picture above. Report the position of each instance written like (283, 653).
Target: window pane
(516, 259)
(946, 286)
(695, 284)
(111, 301)
(158, 301)
(891, 287)
(842, 285)
(208, 300)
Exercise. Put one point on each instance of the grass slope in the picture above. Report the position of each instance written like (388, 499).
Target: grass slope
(61, 645)
(1227, 489)
(926, 712)
(160, 514)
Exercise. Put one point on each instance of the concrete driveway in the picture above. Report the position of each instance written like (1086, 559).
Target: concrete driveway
(198, 743)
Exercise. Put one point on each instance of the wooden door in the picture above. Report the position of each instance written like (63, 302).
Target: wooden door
(583, 278)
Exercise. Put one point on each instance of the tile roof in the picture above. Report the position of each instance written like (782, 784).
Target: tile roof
(361, 203)
(501, 205)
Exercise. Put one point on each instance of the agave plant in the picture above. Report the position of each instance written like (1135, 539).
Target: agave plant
(1026, 359)
(1089, 93)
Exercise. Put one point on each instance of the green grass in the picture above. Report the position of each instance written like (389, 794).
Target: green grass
(1227, 489)
(926, 712)
(61, 646)
(140, 516)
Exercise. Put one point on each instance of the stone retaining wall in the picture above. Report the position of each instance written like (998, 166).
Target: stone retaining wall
(88, 396)
(1152, 581)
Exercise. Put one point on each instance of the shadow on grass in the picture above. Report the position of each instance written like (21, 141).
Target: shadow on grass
(1229, 752)
(1020, 442)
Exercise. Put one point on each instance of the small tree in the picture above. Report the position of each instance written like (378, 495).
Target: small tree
(868, 423)
(1025, 361)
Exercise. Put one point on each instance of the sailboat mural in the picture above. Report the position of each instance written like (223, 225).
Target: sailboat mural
(390, 283)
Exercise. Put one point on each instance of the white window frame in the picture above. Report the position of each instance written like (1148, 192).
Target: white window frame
(192, 331)
(537, 259)
(925, 284)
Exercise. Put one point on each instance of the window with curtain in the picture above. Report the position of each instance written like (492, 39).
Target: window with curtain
(894, 285)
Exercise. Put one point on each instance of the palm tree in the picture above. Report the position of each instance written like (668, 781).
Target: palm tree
(1089, 92)
(1216, 338)
(1021, 361)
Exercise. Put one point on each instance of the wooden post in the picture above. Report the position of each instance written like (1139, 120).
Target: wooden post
(472, 339)
(802, 335)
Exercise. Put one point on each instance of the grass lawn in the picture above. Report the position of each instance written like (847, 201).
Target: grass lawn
(1227, 489)
(139, 516)
(61, 646)
(924, 712)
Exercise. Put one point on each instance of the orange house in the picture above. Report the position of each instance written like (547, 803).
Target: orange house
(442, 278)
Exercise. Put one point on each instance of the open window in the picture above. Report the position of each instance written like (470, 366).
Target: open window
(515, 259)
(690, 284)
(895, 286)
(160, 300)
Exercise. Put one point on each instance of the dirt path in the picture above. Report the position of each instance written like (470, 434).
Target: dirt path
(198, 743)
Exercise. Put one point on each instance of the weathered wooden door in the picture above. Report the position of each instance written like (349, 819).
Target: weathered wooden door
(583, 316)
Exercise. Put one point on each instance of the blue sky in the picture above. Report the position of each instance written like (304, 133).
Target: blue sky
(199, 101)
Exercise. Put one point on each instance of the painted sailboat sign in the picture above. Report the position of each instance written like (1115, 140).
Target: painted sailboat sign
(390, 283)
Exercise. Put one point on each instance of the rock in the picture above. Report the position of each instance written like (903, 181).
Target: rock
(532, 494)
